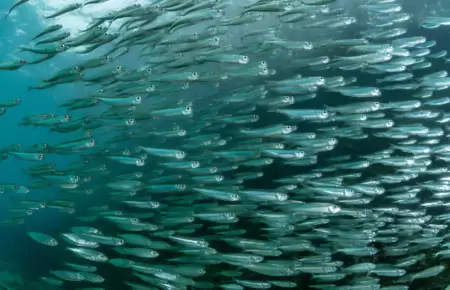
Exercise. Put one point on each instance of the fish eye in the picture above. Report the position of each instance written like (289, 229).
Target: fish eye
(29, 211)
(22, 61)
(138, 98)
(196, 163)
(94, 101)
(2, 190)
(288, 127)
(67, 117)
(62, 46)
(245, 57)
(131, 120)
(235, 196)
(377, 104)
(119, 67)
(183, 132)
(41, 156)
(92, 141)
(42, 204)
(308, 43)
(195, 74)
(390, 122)
(188, 108)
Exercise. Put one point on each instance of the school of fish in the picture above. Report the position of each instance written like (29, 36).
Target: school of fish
(242, 157)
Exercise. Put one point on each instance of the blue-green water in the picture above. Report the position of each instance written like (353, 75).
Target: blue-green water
(31, 260)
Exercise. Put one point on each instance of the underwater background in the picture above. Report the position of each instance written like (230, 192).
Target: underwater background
(24, 260)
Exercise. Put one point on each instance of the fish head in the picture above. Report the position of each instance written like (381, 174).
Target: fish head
(90, 143)
(101, 257)
(52, 242)
(287, 129)
(181, 186)
(264, 71)
(235, 197)
(281, 196)
(279, 146)
(324, 114)
(62, 47)
(333, 208)
(229, 215)
(140, 162)
(180, 154)
(119, 242)
(348, 192)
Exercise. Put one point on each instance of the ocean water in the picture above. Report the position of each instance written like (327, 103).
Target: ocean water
(20, 255)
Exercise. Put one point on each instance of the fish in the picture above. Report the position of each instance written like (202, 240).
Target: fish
(17, 4)
(223, 145)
